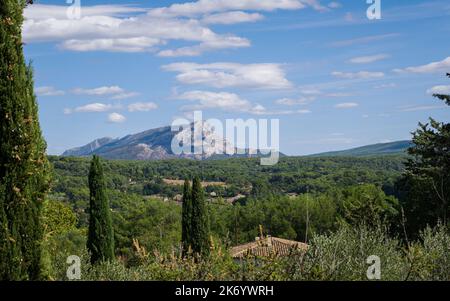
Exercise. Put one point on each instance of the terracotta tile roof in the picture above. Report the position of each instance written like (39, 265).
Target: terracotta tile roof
(268, 246)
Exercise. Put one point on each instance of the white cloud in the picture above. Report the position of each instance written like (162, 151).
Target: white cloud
(142, 107)
(221, 75)
(137, 44)
(368, 59)
(116, 118)
(48, 91)
(215, 100)
(216, 43)
(41, 11)
(439, 90)
(125, 95)
(138, 33)
(120, 28)
(358, 75)
(202, 7)
(228, 102)
(261, 110)
(440, 66)
(114, 92)
(233, 17)
(91, 108)
(310, 91)
(100, 91)
(293, 102)
(346, 105)
(421, 108)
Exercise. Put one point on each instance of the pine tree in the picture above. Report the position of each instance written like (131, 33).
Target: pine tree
(427, 180)
(101, 236)
(199, 220)
(24, 175)
(186, 217)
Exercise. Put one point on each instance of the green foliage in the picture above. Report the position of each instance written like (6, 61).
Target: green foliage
(199, 225)
(100, 241)
(424, 190)
(290, 175)
(341, 255)
(23, 164)
(155, 224)
(57, 218)
(186, 218)
(367, 204)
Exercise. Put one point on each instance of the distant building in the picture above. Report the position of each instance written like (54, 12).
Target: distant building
(267, 247)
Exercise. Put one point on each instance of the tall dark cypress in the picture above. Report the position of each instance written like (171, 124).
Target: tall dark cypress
(101, 236)
(23, 164)
(199, 220)
(186, 217)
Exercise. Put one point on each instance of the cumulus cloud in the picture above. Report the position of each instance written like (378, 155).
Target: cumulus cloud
(48, 91)
(91, 108)
(309, 95)
(113, 92)
(116, 118)
(42, 11)
(233, 17)
(137, 44)
(201, 7)
(120, 28)
(142, 106)
(138, 33)
(216, 43)
(221, 75)
(439, 90)
(229, 102)
(368, 59)
(346, 105)
(217, 100)
(358, 75)
(439, 66)
(100, 91)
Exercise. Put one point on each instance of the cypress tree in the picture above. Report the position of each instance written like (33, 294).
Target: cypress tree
(24, 167)
(186, 217)
(100, 241)
(199, 220)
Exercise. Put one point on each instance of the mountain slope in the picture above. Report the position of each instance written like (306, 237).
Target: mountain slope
(397, 147)
(156, 144)
(88, 148)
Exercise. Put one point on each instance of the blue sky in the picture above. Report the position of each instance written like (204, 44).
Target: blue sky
(334, 78)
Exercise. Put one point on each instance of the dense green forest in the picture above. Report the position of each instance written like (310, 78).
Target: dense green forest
(301, 198)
